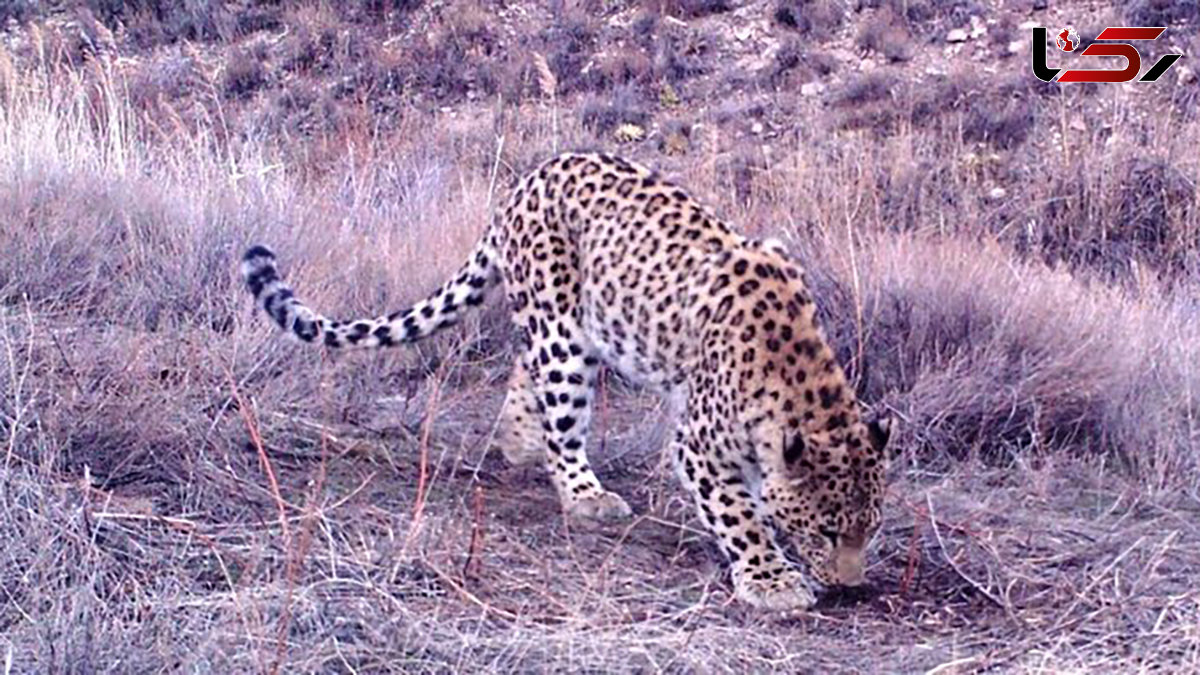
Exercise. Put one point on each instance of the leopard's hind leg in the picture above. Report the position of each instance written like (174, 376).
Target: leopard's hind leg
(564, 378)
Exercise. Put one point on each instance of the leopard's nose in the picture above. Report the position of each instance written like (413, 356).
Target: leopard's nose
(855, 579)
(849, 568)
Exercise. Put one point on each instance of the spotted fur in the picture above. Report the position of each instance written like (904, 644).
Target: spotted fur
(603, 261)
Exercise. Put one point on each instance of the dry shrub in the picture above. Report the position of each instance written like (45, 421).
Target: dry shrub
(685, 53)
(926, 16)
(569, 43)
(622, 67)
(245, 72)
(1182, 13)
(1136, 210)
(387, 13)
(795, 62)
(153, 22)
(602, 114)
(886, 35)
(871, 101)
(314, 45)
(688, 9)
(19, 10)
(172, 77)
(870, 88)
(739, 176)
(675, 137)
(817, 19)
(267, 16)
(1185, 98)
(1001, 121)
(983, 357)
(998, 115)
(150, 23)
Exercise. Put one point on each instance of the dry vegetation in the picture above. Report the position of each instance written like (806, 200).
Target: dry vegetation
(1011, 269)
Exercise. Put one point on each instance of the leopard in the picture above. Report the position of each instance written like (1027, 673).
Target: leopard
(606, 263)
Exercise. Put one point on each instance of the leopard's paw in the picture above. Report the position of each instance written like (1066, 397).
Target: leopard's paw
(601, 506)
(776, 589)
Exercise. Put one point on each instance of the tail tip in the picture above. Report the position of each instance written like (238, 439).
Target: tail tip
(258, 269)
(258, 251)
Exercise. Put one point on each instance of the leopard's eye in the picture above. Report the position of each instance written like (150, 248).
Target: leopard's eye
(830, 535)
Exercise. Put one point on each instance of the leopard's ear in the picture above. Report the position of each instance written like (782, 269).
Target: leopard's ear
(795, 455)
(879, 431)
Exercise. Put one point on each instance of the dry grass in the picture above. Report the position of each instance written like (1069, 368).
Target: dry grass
(181, 490)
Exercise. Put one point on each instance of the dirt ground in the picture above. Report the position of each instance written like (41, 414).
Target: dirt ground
(1030, 564)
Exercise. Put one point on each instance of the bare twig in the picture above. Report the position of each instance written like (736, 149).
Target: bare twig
(418, 510)
(474, 562)
(954, 565)
(264, 461)
(471, 597)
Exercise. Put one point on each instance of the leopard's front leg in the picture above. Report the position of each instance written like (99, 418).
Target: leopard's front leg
(762, 576)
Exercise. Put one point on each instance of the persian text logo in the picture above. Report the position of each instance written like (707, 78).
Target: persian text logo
(1068, 41)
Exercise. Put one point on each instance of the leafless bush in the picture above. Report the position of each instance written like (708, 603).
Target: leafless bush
(870, 101)
(18, 10)
(689, 8)
(793, 60)
(866, 89)
(624, 67)
(887, 36)
(604, 114)
(1163, 13)
(924, 16)
(818, 19)
(1144, 213)
(1003, 123)
(570, 41)
(152, 22)
(245, 73)
(684, 53)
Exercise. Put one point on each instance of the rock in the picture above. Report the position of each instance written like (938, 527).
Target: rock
(978, 27)
(957, 35)
(629, 133)
(675, 143)
(997, 193)
(667, 96)
(1040, 4)
(811, 89)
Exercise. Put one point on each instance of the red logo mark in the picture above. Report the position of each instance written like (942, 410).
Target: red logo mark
(1068, 41)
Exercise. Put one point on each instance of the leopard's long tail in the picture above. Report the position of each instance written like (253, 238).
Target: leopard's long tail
(441, 309)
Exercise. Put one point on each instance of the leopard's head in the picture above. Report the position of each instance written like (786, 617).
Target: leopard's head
(826, 504)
